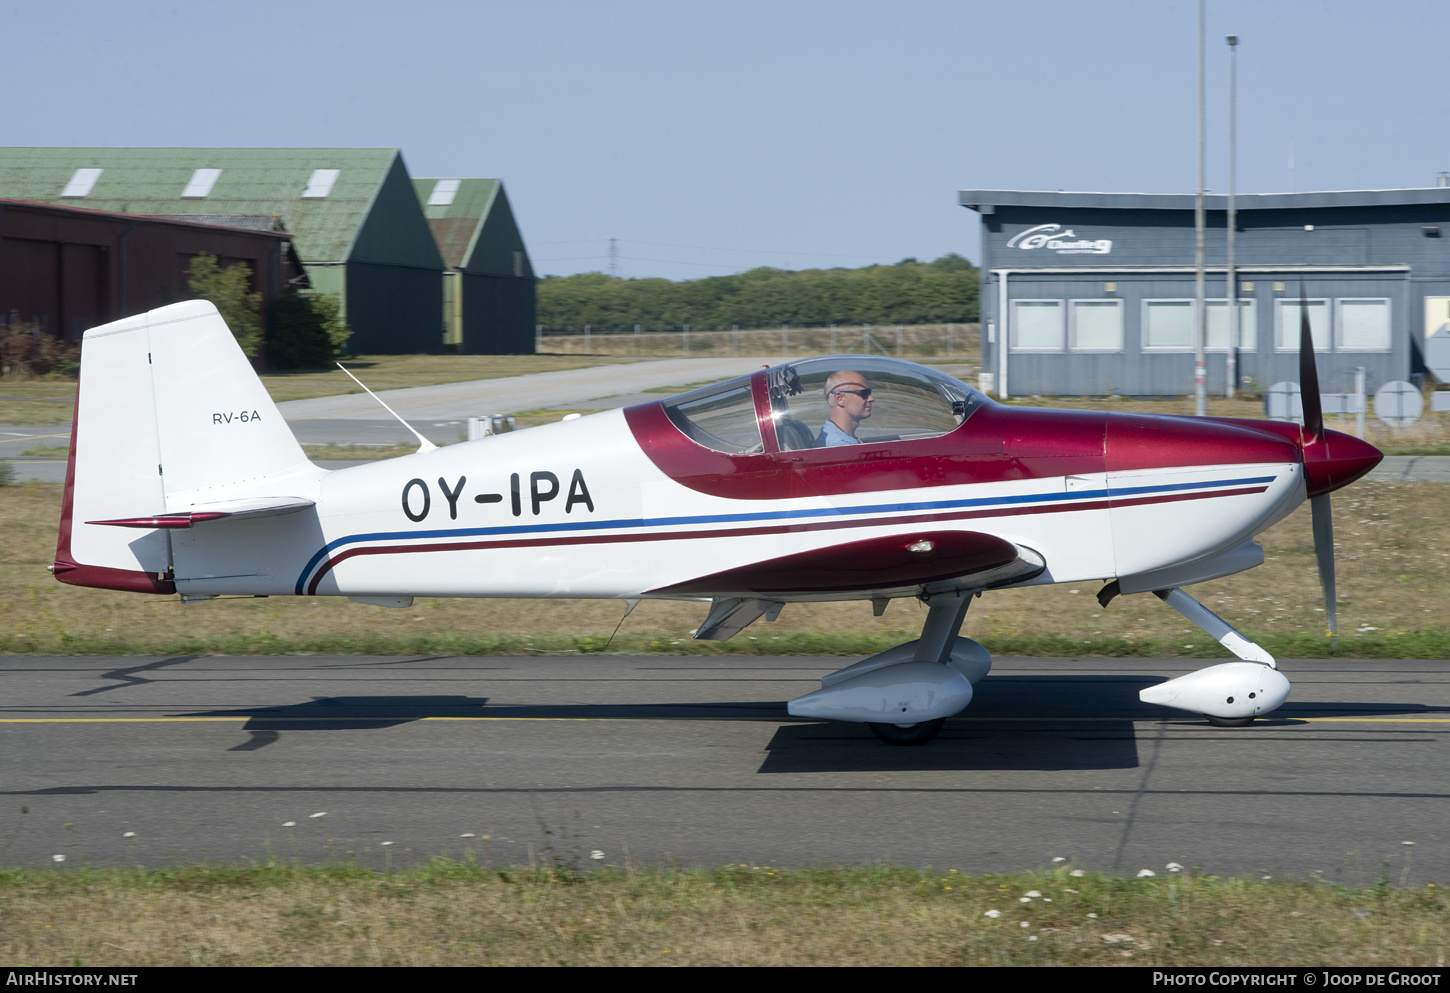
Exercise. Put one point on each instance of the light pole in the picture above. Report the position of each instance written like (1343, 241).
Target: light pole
(1233, 283)
(1200, 367)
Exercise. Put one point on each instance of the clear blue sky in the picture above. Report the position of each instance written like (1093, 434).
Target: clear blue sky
(710, 137)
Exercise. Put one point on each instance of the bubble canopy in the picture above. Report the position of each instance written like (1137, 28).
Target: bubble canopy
(828, 401)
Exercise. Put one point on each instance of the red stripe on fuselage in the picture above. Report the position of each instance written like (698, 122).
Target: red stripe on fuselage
(1104, 503)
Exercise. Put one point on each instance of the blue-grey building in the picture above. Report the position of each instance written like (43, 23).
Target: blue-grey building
(1092, 293)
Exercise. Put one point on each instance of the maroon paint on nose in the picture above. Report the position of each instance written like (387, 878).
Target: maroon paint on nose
(1337, 460)
(1151, 441)
(1334, 461)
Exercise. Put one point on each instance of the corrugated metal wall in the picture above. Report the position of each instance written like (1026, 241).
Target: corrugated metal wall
(70, 270)
(394, 310)
(498, 315)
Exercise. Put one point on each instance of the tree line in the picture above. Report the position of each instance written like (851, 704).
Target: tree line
(909, 292)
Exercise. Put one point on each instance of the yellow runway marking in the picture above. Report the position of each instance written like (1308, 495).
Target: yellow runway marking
(1266, 720)
(238, 720)
(1381, 720)
(33, 437)
(598, 720)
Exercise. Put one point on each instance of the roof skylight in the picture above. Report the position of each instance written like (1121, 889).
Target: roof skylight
(443, 192)
(81, 183)
(320, 185)
(201, 183)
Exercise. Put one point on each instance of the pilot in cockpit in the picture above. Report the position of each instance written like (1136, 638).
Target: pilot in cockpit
(849, 400)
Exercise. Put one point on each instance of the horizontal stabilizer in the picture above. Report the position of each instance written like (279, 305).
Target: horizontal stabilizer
(216, 511)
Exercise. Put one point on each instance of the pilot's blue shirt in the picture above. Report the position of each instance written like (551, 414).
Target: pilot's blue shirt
(833, 437)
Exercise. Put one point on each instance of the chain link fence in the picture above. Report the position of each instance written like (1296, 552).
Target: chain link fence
(908, 341)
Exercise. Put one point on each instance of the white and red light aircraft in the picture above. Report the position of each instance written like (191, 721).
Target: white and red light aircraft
(184, 478)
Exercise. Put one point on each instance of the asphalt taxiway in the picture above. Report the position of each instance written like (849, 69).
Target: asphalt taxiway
(695, 761)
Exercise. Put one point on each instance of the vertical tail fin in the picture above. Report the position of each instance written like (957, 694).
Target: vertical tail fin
(169, 414)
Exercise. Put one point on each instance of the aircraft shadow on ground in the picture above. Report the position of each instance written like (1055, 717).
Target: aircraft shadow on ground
(1044, 723)
(361, 713)
(1032, 722)
(1015, 722)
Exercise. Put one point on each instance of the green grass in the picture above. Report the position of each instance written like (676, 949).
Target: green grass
(1418, 449)
(459, 912)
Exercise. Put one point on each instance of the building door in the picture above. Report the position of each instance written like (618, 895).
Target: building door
(1437, 314)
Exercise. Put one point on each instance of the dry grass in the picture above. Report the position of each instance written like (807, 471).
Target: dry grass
(456, 913)
(37, 401)
(395, 372)
(50, 401)
(326, 452)
(1393, 568)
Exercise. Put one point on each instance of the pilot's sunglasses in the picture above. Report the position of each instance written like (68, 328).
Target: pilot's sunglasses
(863, 394)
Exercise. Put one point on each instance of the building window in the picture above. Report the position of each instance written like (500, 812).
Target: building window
(319, 184)
(1286, 337)
(1168, 325)
(1097, 325)
(202, 180)
(1364, 325)
(1036, 325)
(443, 192)
(1216, 331)
(81, 183)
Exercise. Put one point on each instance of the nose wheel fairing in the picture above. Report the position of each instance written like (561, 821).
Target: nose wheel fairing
(1229, 694)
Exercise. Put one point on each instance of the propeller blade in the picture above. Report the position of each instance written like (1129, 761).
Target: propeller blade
(1309, 374)
(1324, 554)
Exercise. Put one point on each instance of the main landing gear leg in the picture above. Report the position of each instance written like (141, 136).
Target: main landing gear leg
(944, 618)
(906, 693)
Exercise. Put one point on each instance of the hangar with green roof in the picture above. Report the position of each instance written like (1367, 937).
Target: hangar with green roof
(488, 282)
(356, 222)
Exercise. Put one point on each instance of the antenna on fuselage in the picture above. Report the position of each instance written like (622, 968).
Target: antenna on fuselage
(424, 444)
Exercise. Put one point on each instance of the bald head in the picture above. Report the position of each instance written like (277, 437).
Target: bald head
(844, 378)
(848, 396)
